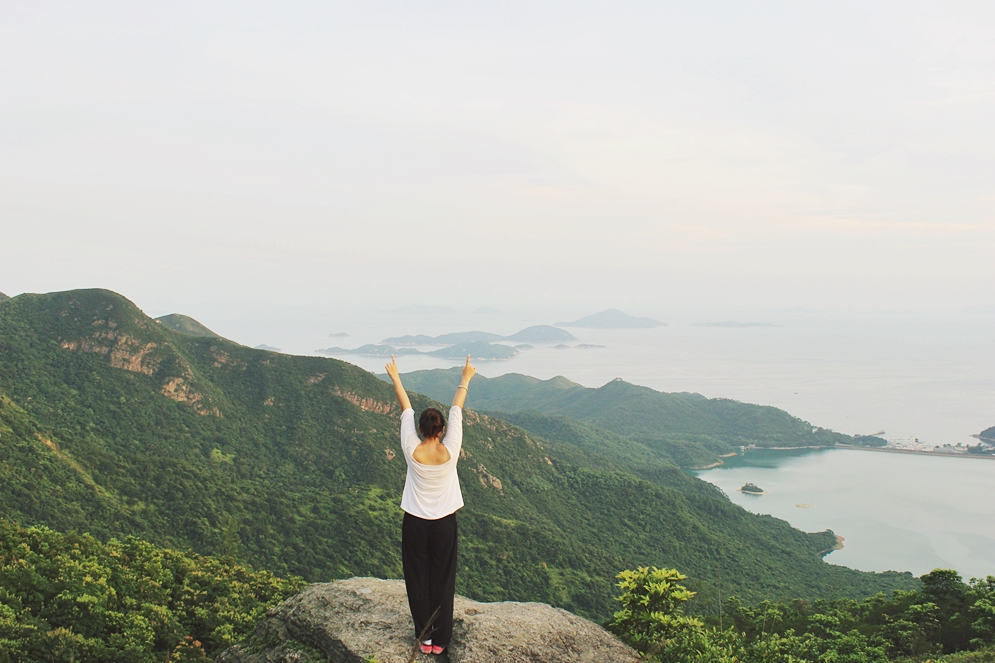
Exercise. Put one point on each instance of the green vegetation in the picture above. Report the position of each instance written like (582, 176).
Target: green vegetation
(752, 488)
(69, 597)
(685, 429)
(3, 297)
(869, 441)
(185, 325)
(946, 620)
(114, 425)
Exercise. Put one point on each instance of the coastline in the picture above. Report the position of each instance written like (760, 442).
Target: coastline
(715, 464)
(853, 447)
(837, 546)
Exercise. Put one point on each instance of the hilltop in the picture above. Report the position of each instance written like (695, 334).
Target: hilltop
(3, 297)
(685, 429)
(185, 325)
(613, 319)
(114, 424)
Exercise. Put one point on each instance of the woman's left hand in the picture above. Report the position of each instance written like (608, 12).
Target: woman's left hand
(392, 369)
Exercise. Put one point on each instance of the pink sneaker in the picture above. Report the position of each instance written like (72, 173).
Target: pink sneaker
(436, 649)
(426, 649)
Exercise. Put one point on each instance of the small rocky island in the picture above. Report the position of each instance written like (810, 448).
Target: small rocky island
(751, 489)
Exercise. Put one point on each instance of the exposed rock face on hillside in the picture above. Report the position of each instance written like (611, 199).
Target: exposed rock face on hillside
(347, 621)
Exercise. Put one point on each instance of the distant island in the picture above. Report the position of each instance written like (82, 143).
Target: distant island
(479, 350)
(534, 334)
(338, 335)
(270, 348)
(613, 319)
(541, 334)
(733, 324)
(370, 350)
(752, 489)
(185, 325)
(588, 346)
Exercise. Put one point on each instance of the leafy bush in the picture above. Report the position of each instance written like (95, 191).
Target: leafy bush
(68, 597)
(947, 621)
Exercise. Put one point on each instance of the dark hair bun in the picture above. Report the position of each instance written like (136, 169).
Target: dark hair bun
(431, 423)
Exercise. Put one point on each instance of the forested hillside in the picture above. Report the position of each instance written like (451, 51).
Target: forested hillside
(687, 429)
(70, 597)
(115, 425)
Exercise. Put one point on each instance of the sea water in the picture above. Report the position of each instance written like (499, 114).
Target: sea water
(901, 512)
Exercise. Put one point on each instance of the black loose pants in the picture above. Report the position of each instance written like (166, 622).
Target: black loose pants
(428, 551)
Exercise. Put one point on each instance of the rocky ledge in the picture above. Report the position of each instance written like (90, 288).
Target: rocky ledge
(366, 619)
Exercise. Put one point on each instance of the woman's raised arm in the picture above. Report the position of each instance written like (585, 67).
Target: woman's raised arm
(402, 396)
(464, 384)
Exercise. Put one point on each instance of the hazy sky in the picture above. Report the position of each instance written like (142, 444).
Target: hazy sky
(652, 156)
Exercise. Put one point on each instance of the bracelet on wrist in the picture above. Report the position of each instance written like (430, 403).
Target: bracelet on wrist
(464, 387)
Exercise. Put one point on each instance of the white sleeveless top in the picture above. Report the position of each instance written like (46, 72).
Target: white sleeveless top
(432, 491)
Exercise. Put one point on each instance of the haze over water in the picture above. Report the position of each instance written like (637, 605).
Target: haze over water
(931, 377)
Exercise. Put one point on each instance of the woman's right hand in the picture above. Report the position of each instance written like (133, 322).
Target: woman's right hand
(468, 371)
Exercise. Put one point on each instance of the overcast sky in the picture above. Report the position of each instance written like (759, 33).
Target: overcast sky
(651, 156)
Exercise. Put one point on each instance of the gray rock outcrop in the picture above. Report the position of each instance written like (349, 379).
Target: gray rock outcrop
(352, 621)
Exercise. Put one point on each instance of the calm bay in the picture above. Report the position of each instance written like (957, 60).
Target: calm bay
(897, 512)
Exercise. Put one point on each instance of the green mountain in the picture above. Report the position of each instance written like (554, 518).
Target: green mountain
(185, 325)
(114, 424)
(3, 297)
(613, 319)
(687, 429)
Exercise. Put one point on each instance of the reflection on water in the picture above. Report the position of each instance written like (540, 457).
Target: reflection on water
(895, 511)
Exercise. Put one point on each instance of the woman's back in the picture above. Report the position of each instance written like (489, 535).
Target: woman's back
(431, 452)
(431, 489)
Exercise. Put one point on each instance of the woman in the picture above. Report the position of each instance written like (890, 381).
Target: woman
(430, 500)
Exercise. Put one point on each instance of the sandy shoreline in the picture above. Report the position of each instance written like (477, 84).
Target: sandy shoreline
(911, 451)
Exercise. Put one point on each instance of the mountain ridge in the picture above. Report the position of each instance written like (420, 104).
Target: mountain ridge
(185, 325)
(291, 463)
(687, 429)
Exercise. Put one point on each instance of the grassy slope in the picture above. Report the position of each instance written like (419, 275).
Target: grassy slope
(292, 464)
(688, 429)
